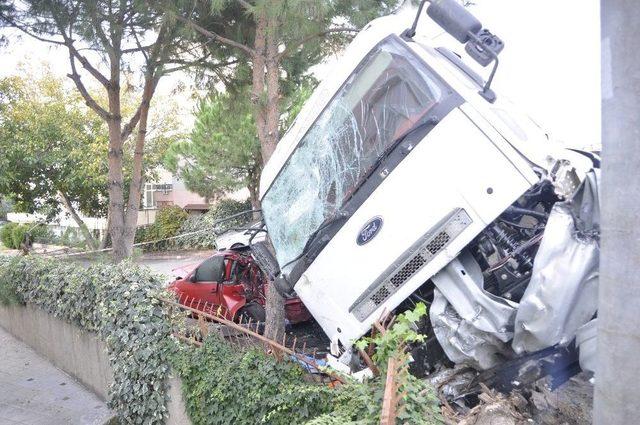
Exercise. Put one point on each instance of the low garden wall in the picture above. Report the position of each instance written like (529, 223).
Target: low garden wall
(79, 353)
(102, 325)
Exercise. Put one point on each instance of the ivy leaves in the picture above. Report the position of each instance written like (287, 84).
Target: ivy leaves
(224, 386)
(220, 385)
(117, 302)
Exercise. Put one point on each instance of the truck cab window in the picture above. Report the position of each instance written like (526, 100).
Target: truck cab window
(389, 93)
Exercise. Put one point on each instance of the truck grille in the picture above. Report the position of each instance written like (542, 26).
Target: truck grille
(414, 259)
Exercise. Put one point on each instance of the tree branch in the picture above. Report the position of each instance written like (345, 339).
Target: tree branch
(202, 61)
(288, 49)
(245, 4)
(68, 41)
(215, 36)
(138, 48)
(149, 75)
(93, 13)
(81, 224)
(20, 27)
(91, 103)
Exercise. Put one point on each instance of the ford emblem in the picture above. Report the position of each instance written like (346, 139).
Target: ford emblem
(369, 231)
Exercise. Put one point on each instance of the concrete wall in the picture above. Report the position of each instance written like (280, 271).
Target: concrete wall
(79, 353)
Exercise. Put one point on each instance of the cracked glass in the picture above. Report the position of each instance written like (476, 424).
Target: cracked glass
(389, 93)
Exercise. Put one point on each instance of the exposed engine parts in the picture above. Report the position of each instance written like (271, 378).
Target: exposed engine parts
(526, 283)
(506, 249)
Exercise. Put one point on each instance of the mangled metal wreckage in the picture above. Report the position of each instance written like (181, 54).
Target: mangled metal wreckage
(405, 178)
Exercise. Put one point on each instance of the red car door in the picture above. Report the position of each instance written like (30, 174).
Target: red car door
(233, 291)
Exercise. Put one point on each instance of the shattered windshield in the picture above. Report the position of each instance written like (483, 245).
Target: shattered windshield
(390, 92)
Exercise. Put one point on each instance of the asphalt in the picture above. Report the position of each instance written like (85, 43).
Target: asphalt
(164, 263)
(34, 392)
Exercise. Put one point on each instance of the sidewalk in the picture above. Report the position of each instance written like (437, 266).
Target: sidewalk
(34, 392)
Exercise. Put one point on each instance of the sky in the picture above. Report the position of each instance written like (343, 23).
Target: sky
(550, 66)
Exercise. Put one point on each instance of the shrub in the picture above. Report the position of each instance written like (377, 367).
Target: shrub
(5, 234)
(117, 302)
(42, 234)
(13, 234)
(207, 226)
(222, 385)
(168, 222)
(228, 207)
(226, 386)
(18, 235)
(72, 237)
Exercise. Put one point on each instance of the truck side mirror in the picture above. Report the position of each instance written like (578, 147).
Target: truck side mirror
(454, 19)
(193, 278)
(481, 45)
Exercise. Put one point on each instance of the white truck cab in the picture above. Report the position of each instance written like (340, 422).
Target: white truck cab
(399, 163)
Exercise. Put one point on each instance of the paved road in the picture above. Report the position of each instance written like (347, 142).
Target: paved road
(34, 392)
(165, 262)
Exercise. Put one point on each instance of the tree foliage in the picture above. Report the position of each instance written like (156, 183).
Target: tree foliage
(223, 152)
(105, 39)
(53, 148)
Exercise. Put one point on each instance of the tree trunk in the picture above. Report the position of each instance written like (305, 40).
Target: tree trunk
(253, 184)
(91, 242)
(257, 86)
(116, 190)
(105, 237)
(275, 322)
(135, 190)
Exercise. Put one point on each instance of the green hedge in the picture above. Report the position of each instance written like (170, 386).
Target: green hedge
(115, 301)
(207, 239)
(168, 223)
(5, 234)
(223, 385)
(12, 234)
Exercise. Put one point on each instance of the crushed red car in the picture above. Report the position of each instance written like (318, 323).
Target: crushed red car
(231, 279)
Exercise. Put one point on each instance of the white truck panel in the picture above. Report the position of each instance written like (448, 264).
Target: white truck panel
(456, 166)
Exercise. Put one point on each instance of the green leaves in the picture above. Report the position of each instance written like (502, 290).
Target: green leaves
(221, 385)
(116, 301)
(223, 153)
(397, 337)
(224, 386)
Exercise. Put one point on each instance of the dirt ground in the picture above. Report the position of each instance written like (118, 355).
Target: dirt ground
(569, 404)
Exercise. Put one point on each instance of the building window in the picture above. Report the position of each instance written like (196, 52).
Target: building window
(164, 188)
(149, 200)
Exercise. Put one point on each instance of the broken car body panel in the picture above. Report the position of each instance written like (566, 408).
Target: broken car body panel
(563, 292)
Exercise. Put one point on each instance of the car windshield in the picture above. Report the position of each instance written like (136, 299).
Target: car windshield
(388, 94)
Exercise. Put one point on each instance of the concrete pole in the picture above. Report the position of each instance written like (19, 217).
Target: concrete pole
(617, 388)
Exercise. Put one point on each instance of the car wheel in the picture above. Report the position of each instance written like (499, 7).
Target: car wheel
(252, 312)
